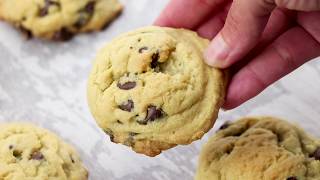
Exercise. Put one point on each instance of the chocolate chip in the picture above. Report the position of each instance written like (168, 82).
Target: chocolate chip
(224, 126)
(152, 114)
(37, 155)
(130, 140)
(25, 32)
(144, 48)
(89, 8)
(83, 20)
(110, 134)
(10, 146)
(62, 35)
(128, 106)
(238, 134)
(316, 154)
(72, 160)
(119, 122)
(228, 151)
(292, 178)
(47, 3)
(133, 134)
(127, 85)
(154, 63)
(17, 154)
(85, 14)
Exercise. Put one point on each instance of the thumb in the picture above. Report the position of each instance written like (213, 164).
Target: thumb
(244, 26)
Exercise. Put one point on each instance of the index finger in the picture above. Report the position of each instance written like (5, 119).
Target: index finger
(186, 13)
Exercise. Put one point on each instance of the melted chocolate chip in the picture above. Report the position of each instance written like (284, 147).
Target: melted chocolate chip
(152, 114)
(72, 160)
(316, 154)
(133, 134)
(238, 134)
(25, 32)
(110, 134)
(130, 140)
(292, 178)
(127, 85)
(10, 146)
(224, 126)
(81, 22)
(119, 122)
(37, 155)
(85, 15)
(89, 8)
(17, 154)
(47, 3)
(154, 63)
(62, 35)
(143, 49)
(128, 106)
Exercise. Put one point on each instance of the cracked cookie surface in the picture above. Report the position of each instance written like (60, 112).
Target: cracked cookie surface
(150, 89)
(58, 19)
(260, 148)
(28, 152)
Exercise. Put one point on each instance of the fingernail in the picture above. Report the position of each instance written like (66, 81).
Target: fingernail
(217, 52)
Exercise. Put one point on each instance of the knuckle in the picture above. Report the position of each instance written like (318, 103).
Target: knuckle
(286, 55)
(260, 82)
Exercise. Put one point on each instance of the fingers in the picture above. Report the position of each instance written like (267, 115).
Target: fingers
(210, 28)
(280, 58)
(186, 13)
(214, 23)
(310, 22)
(242, 31)
(279, 22)
(300, 5)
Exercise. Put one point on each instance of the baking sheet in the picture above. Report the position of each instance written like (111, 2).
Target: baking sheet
(45, 83)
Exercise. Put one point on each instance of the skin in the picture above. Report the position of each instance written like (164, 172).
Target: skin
(259, 40)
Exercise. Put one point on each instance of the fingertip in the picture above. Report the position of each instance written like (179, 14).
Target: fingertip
(161, 21)
(241, 88)
(217, 53)
(229, 106)
(230, 103)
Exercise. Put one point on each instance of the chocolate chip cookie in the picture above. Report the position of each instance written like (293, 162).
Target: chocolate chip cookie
(58, 19)
(150, 89)
(29, 152)
(260, 148)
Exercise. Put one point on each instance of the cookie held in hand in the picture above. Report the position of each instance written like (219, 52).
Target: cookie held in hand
(150, 89)
(260, 148)
(29, 152)
(58, 19)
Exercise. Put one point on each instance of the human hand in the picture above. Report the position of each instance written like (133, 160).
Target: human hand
(260, 40)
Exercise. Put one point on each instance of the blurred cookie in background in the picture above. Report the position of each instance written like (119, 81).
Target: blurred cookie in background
(30, 152)
(59, 20)
(260, 148)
